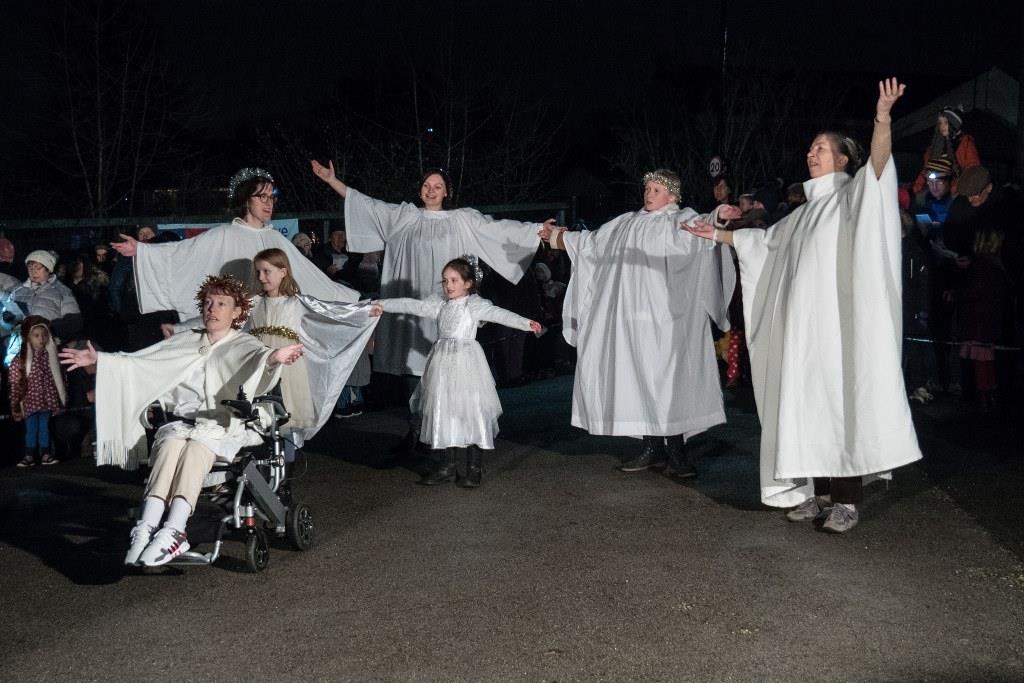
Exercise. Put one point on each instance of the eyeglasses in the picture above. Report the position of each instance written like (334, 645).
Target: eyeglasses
(266, 197)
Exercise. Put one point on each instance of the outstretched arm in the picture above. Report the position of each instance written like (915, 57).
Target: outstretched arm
(72, 359)
(286, 355)
(889, 91)
(708, 232)
(326, 174)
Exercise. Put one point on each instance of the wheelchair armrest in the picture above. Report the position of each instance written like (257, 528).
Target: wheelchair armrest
(243, 409)
(272, 401)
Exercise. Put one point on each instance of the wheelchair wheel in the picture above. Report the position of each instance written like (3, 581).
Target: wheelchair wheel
(299, 526)
(257, 551)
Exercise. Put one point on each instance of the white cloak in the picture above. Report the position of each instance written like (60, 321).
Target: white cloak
(167, 275)
(334, 337)
(822, 304)
(418, 244)
(637, 309)
(127, 383)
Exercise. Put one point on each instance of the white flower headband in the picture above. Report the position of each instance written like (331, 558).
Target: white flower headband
(670, 184)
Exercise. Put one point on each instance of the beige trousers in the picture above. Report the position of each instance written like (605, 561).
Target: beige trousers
(179, 468)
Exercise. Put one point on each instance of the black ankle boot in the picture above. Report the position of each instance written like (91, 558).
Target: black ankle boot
(474, 467)
(679, 466)
(445, 471)
(651, 455)
(407, 444)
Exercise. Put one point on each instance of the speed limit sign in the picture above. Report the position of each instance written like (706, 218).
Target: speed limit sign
(716, 167)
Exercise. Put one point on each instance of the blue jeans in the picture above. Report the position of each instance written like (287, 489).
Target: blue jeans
(349, 395)
(37, 430)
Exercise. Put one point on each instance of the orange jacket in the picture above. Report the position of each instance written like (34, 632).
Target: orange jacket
(966, 156)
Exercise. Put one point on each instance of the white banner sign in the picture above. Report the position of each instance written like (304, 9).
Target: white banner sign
(289, 227)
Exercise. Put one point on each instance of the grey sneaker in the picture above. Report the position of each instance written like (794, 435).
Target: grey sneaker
(811, 509)
(141, 535)
(841, 518)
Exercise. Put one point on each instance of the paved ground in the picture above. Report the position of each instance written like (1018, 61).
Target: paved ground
(558, 569)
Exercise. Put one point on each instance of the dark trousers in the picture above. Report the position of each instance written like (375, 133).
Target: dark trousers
(848, 490)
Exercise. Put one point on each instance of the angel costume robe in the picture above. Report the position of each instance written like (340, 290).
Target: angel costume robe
(190, 376)
(167, 275)
(417, 243)
(456, 399)
(822, 304)
(333, 336)
(637, 310)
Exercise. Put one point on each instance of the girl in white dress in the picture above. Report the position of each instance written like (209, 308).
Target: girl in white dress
(456, 399)
(335, 335)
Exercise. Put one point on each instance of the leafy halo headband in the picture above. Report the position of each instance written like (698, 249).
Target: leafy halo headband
(247, 173)
(226, 285)
(670, 184)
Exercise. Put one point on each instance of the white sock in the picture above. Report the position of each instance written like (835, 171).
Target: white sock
(153, 511)
(177, 518)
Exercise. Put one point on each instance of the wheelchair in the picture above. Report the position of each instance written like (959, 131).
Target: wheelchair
(253, 490)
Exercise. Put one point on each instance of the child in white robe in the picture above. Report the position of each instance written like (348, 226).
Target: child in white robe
(456, 399)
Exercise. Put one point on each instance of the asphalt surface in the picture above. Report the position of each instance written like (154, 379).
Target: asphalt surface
(559, 568)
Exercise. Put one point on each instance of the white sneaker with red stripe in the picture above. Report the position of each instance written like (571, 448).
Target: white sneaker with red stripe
(166, 545)
(141, 536)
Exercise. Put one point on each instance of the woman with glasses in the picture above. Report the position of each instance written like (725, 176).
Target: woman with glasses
(168, 274)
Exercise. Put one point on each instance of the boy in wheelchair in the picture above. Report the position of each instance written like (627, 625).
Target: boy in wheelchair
(197, 373)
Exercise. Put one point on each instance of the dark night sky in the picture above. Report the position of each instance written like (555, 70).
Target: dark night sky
(244, 63)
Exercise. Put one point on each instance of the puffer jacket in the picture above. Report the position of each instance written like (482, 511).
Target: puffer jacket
(55, 302)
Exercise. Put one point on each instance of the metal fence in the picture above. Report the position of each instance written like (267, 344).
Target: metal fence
(74, 234)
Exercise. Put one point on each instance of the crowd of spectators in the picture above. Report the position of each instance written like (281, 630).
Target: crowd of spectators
(89, 295)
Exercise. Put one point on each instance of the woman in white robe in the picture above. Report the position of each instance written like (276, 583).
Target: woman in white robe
(417, 243)
(166, 275)
(637, 309)
(822, 304)
(190, 374)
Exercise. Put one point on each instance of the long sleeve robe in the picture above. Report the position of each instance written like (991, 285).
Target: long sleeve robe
(417, 243)
(185, 369)
(637, 309)
(822, 304)
(168, 275)
(333, 335)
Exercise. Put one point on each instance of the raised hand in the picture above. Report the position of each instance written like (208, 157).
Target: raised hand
(324, 173)
(73, 359)
(128, 247)
(889, 90)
